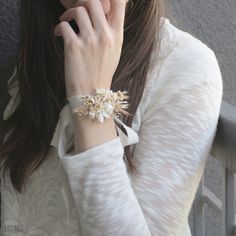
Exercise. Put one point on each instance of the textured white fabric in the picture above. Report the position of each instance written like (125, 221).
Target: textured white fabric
(92, 194)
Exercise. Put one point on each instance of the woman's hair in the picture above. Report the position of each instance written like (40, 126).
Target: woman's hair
(40, 75)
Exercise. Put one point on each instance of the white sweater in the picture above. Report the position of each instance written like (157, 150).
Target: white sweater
(92, 194)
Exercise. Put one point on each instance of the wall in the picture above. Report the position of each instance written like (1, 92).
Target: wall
(8, 45)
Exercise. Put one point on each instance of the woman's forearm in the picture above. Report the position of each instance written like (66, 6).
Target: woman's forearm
(89, 133)
(91, 61)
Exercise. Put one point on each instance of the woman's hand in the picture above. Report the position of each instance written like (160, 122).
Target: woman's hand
(92, 56)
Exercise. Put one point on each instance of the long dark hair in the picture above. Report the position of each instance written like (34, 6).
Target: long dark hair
(40, 74)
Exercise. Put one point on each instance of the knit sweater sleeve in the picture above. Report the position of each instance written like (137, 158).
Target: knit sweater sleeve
(175, 137)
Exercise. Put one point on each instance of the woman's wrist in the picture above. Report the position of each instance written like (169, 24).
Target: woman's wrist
(89, 133)
(93, 117)
(73, 91)
(103, 104)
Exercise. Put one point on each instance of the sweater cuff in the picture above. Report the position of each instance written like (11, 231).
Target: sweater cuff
(101, 154)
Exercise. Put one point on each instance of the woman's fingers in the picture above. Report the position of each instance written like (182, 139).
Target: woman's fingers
(96, 12)
(64, 29)
(88, 14)
(81, 17)
(117, 14)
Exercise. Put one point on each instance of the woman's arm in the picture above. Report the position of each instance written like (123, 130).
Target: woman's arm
(175, 138)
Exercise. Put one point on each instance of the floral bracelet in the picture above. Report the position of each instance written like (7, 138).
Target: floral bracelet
(102, 105)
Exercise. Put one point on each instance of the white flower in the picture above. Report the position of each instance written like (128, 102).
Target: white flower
(109, 108)
(105, 114)
(100, 117)
(103, 91)
(92, 114)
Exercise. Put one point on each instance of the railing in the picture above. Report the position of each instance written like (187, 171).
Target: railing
(224, 150)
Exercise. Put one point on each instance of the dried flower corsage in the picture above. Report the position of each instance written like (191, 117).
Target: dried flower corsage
(102, 105)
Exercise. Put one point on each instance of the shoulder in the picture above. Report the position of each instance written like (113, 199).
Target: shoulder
(174, 39)
(184, 67)
(183, 60)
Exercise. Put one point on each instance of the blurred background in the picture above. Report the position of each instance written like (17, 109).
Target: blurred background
(213, 22)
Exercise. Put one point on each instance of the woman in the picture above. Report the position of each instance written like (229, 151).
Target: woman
(135, 176)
